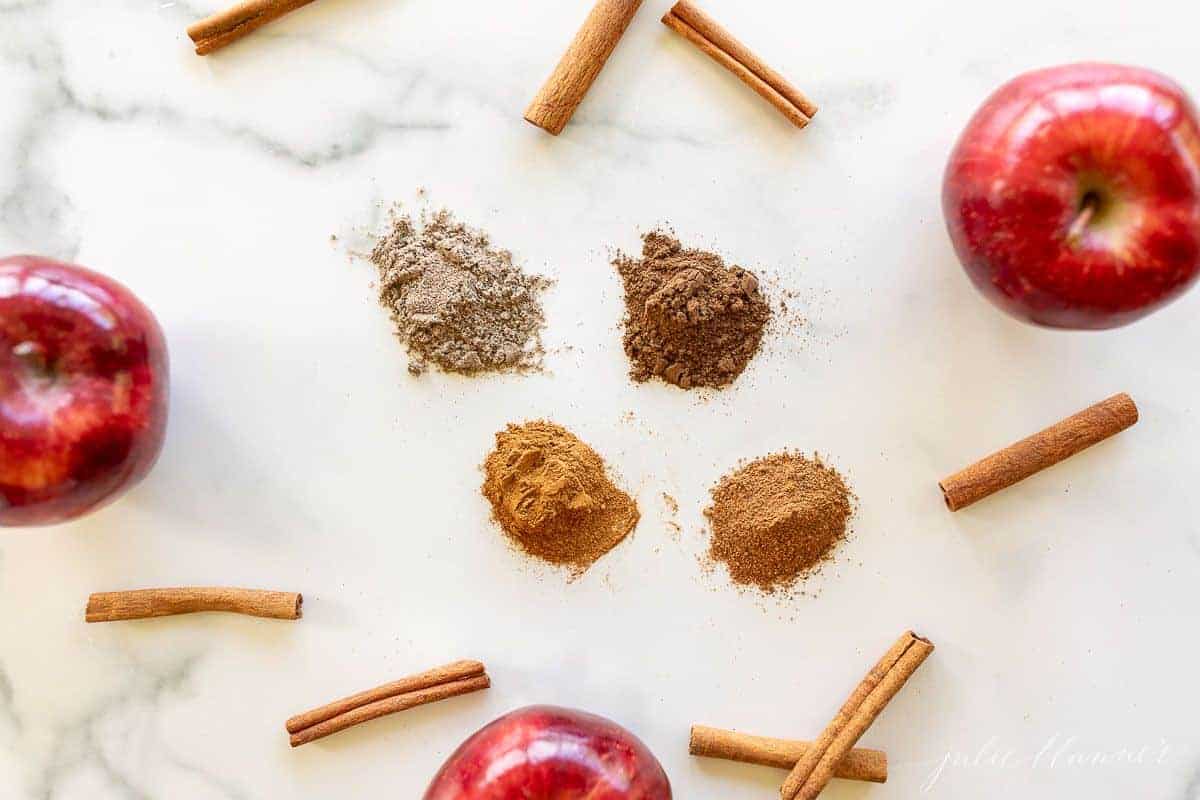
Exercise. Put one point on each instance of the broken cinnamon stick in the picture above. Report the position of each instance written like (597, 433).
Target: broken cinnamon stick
(451, 680)
(816, 767)
(564, 90)
(1035, 453)
(226, 27)
(145, 603)
(858, 765)
(688, 20)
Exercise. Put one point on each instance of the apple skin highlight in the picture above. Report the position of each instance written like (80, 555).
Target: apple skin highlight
(551, 753)
(83, 391)
(1073, 195)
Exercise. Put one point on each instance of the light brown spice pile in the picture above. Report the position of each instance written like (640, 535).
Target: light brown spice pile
(689, 319)
(457, 301)
(775, 519)
(552, 496)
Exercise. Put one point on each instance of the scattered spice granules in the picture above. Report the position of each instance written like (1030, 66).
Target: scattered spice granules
(775, 519)
(673, 526)
(689, 319)
(552, 496)
(457, 301)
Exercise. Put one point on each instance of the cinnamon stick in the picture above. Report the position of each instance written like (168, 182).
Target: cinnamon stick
(1039, 451)
(459, 670)
(144, 603)
(226, 27)
(564, 90)
(451, 680)
(688, 20)
(816, 767)
(858, 765)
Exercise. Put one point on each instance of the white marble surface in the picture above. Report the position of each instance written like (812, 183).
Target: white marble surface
(302, 456)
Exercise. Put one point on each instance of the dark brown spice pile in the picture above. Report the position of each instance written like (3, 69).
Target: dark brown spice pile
(775, 519)
(551, 494)
(689, 319)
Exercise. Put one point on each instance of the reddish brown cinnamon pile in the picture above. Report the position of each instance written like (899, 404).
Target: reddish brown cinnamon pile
(775, 519)
(552, 496)
(689, 319)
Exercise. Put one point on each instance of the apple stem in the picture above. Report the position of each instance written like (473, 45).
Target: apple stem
(1087, 211)
(33, 356)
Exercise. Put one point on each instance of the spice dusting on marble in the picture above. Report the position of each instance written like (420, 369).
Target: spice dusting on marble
(458, 303)
(672, 509)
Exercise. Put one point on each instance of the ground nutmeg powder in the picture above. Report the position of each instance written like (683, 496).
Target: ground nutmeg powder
(775, 519)
(552, 496)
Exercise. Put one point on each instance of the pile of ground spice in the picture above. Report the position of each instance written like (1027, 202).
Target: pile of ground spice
(775, 519)
(457, 302)
(552, 496)
(689, 319)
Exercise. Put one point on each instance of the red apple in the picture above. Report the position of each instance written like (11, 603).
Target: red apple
(1073, 195)
(549, 753)
(83, 390)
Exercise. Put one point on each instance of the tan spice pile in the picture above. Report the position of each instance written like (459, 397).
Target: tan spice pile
(552, 496)
(458, 302)
(689, 319)
(775, 519)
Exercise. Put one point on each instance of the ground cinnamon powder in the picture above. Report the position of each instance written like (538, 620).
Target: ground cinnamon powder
(552, 496)
(689, 319)
(775, 519)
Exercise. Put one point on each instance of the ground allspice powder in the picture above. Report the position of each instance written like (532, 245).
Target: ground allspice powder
(552, 496)
(689, 319)
(775, 519)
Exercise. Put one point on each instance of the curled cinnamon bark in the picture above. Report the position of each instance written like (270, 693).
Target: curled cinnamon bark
(564, 90)
(226, 27)
(440, 683)
(858, 765)
(459, 670)
(816, 767)
(144, 603)
(1035, 453)
(692, 23)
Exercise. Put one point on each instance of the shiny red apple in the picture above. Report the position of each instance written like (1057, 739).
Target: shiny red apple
(549, 753)
(1073, 195)
(83, 390)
